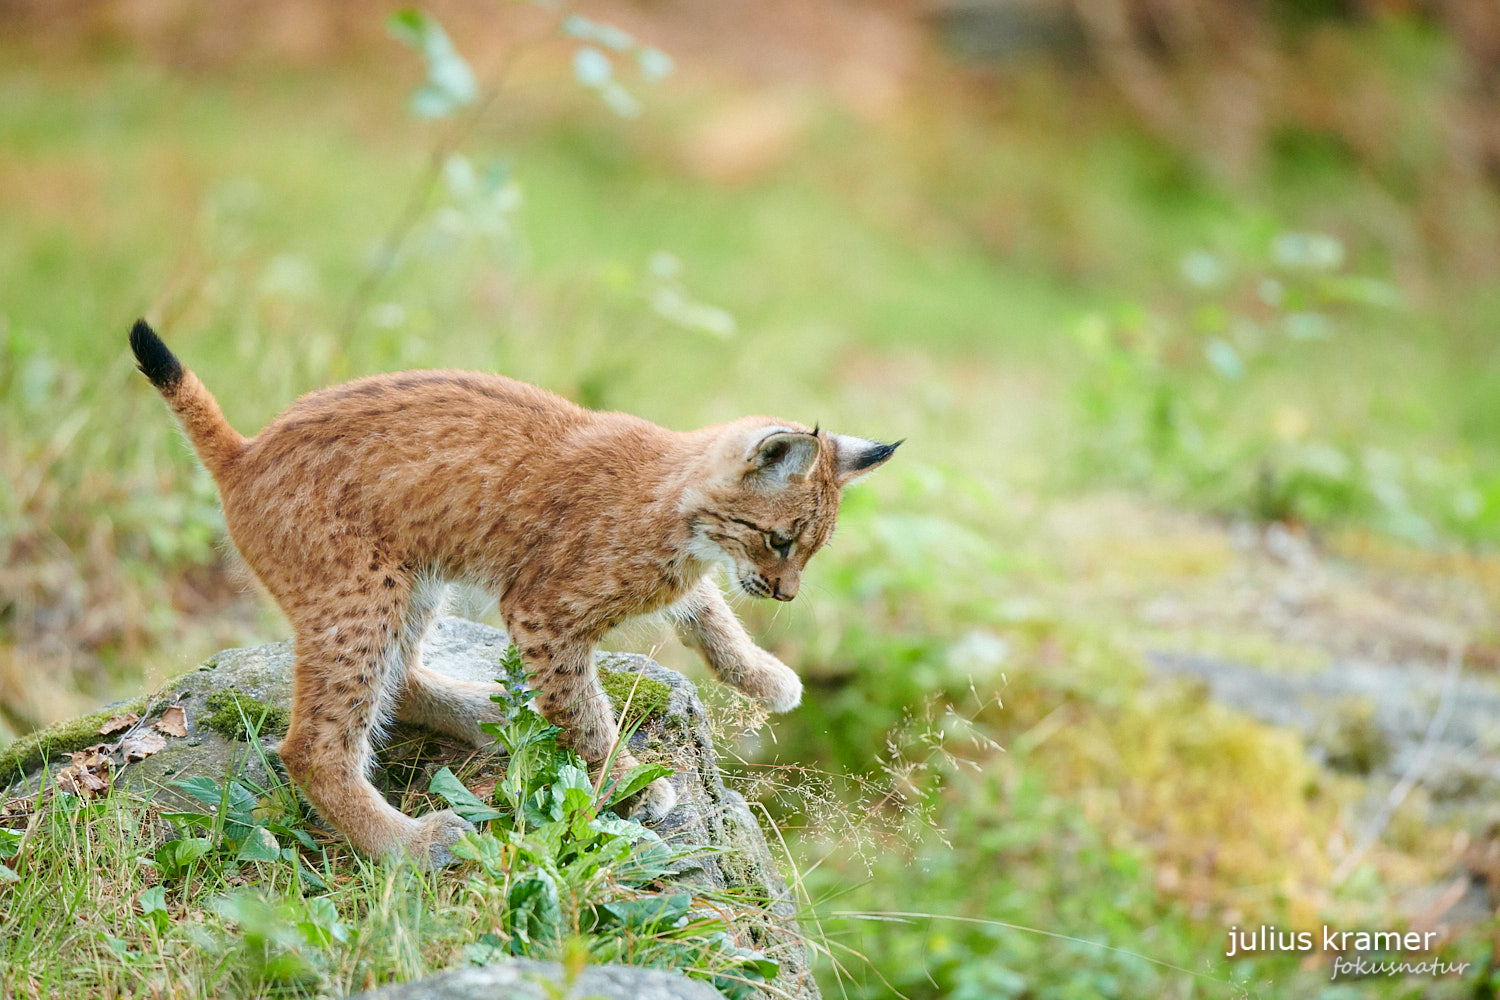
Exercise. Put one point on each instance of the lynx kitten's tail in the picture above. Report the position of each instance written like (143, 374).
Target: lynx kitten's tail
(216, 443)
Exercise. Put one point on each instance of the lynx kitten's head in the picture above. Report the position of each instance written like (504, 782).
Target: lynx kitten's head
(772, 497)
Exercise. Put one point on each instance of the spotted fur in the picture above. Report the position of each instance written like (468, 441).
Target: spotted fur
(356, 504)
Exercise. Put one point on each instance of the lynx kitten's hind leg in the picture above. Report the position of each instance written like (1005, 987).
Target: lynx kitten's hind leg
(427, 698)
(351, 647)
(705, 622)
(449, 705)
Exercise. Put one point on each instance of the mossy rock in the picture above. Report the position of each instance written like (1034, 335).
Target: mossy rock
(33, 750)
(229, 710)
(648, 700)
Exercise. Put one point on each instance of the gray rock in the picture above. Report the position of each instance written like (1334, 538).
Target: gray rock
(1378, 720)
(523, 979)
(707, 813)
(1461, 764)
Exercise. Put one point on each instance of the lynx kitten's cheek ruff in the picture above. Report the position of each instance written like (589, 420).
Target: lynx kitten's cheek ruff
(358, 502)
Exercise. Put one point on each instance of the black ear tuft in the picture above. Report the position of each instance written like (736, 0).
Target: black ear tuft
(153, 357)
(874, 456)
(857, 456)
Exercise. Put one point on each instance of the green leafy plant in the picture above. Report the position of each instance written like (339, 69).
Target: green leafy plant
(279, 939)
(472, 199)
(240, 825)
(594, 61)
(561, 872)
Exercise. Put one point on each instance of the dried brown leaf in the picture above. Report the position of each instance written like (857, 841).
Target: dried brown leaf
(80, 781)
(173, 722)
(139, 746)
(119, 722)
(94, 758)
(88, 776)
(485, 787)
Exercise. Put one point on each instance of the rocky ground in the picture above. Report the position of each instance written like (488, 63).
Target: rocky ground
(197, 726)
(1381, 658)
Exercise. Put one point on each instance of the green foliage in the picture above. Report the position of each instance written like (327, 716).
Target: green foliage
(244, 900)
(239, 826)
(1192, 401)
(594, 63)
(1025, 904)
(280, 941)
(450, 82)
(97, 885)
(563, 873)
(464, 802)
(1052, 870)
(646, 697)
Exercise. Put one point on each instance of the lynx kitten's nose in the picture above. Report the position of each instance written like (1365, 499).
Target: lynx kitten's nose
(784, 592)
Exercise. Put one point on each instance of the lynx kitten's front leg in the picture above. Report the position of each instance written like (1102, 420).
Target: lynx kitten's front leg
(705, 622)
(569, 696)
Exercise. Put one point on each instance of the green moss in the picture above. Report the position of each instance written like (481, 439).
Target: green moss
(229, 710)
(32, 750)
(650, 698)
(1356, 742)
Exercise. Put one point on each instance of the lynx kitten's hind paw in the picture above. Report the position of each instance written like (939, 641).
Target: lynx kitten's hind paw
(653, 802)
(430, 845)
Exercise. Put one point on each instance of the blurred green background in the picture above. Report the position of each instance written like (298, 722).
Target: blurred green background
(1172, 301)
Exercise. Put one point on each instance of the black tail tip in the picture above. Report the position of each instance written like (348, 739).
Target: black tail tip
(153, 357)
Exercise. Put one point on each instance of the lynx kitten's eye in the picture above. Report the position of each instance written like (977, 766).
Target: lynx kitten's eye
(779, 543)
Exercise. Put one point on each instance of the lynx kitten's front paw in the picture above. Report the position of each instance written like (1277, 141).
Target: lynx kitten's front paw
(773, 684)
(429, 845)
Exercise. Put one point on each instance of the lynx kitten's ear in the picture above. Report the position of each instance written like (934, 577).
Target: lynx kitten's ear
(858, 457)
(781, 456)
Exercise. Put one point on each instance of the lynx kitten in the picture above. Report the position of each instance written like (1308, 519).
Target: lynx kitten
(356, 504)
